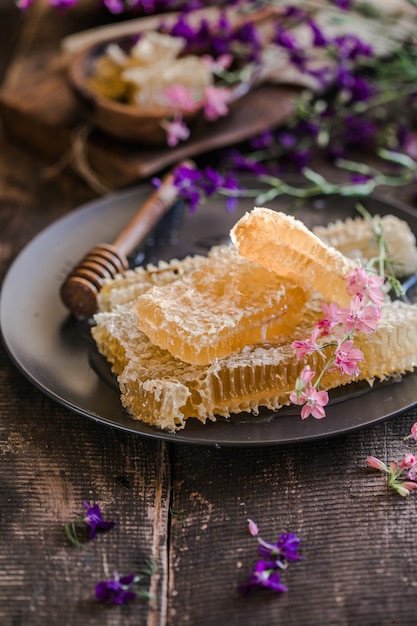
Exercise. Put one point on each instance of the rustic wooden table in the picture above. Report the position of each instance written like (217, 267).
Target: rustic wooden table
(184, 507)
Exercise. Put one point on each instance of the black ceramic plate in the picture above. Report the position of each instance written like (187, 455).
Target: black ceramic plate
(54, 350)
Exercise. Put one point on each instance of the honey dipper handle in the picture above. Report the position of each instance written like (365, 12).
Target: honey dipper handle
(80, 290)
(148, 215)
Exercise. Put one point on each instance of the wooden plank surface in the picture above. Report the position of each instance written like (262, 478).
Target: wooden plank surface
(186, 507)
(52, 459)
(357, 543)
(40, 111)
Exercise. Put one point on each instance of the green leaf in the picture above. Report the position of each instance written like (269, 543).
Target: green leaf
(354, 166)
(314, 177)
(398, 157)
(71, 533)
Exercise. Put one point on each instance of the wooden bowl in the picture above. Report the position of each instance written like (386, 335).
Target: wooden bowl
(128, 122)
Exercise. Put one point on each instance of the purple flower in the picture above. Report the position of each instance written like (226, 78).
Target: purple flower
(343, 4)
(61, 5)
(294, 12)
(221, 40)
(287, 140)
(186, 181)
(186, 176)
(360, 90)
(359, 179)
(264, 140)
(116, 590)
(308, 127)
(359, 131)
(249, 36)
(300, 158)
(351, 47)
(319, 38)
(212, 180)
(114, 6)
(193, 184)
(242, 163)
(183, 29)
(215, 183)
(286, 548)
(285, 39)
(93, 519)
(24, 4)
(263, 576)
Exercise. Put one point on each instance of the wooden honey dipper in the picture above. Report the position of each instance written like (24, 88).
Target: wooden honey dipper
(79, 292)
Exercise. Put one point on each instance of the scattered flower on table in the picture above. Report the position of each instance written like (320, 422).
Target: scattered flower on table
(413, 433)
(124, 589)
(264, 575)
(401, 476)
(364, 100)
(274, 557)
(92, 521)
(253, 527)
(117, 590)
(285, 549)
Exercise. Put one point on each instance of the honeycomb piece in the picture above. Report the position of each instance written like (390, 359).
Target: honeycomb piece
(219, 308)
(286, 246)
(128, 286)
(163, 391)
(355, 238)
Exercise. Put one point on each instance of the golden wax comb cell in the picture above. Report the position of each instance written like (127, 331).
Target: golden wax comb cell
(357, 238)
(226, 304)
(163, 391)
(284, 245)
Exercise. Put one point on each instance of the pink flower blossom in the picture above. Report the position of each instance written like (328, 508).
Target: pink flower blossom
(412, 473)
(307, 375)
(307, 346)
(216, 99)
(330, 320)
(303, 380)
(114, 6)
(372, 461)
(414, 431)
(405, 487)
(216, 65)
(347, 358)
(393, 467)
(398, 479)
(359, 317)
(62, 4)
(176, 131)
(408, 460)
(360, 283)
(253, 528)
(314, 401)
(179, 97)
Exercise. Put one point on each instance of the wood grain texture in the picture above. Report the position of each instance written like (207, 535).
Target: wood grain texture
(40, 111)
(186, 507)
(52, 459)
(42, 115)
(357, 538)
(51, 462)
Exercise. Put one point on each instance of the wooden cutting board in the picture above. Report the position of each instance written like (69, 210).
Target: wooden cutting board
(41, 113)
